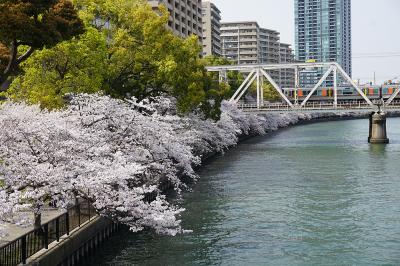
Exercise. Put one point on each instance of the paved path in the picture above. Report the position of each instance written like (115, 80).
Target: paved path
(13, 231)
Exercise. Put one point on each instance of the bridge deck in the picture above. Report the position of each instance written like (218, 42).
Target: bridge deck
(318, 107)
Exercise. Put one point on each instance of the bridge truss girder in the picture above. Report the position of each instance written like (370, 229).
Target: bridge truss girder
(257, 73)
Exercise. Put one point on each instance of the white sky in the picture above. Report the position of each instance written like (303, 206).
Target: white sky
(375, 30)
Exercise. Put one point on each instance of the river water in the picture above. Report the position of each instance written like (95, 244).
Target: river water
(314, 194)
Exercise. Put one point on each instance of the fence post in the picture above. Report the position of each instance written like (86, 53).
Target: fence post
(23, 249)
(67, 222)
(46, 236)
(58, 229)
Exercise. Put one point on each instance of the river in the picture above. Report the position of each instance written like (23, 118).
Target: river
(314, 194)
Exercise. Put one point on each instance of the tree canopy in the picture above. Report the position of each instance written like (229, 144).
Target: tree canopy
(270, 93)
(145, 59)
(27, 25)
(76, 66)
(127, 51)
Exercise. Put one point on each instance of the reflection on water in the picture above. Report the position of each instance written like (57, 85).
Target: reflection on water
(378, 149)
(310, 195)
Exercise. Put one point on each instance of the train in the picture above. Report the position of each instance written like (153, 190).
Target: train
(344, 93)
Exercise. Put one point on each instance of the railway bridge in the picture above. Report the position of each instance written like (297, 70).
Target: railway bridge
(293, 99)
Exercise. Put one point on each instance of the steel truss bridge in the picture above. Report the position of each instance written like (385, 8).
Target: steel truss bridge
(258, 73)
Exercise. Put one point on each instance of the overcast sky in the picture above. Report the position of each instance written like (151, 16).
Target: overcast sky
(375, 30)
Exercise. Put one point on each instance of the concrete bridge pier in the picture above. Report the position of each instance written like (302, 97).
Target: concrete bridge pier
(377, 128)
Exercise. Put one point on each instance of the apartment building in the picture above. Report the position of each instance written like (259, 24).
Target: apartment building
(240, 42)
(185, 16)
(323, 33)
(269, 50)
(248, 43)
(286, 76)
(211, 17)
(269, 46)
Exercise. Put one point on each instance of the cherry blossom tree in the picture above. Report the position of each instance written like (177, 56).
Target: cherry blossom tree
(115, 153)
(35, 154)
(121, 150)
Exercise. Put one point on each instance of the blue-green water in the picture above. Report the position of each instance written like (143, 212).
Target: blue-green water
(310, 195)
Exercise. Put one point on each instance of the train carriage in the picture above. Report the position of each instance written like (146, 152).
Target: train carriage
(344, 93)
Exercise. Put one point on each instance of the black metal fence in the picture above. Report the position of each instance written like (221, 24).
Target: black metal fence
(19, 250)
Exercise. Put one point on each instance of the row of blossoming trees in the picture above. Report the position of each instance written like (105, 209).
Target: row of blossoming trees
(131, 108)
(109, 151)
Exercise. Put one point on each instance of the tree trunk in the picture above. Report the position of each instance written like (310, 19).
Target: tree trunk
(77, 207)
(38, 221)
(4, 84)
(37, 226)
(12, 66)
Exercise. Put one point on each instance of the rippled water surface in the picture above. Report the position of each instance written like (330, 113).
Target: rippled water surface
(310, 195)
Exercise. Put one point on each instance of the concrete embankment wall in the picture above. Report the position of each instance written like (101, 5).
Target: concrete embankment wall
(78, 246)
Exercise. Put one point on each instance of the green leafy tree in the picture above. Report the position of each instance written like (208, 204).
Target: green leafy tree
(234, 78)
(127, 51)
(145, 59)
(270, 93)
(29, 25)
(75, 66)
(216, 91)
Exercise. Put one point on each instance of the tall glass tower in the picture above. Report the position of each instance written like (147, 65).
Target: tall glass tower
(323, 32)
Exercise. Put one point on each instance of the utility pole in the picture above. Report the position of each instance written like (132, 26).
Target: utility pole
(374, 78)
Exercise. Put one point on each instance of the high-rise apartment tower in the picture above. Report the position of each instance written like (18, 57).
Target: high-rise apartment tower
(323, 31)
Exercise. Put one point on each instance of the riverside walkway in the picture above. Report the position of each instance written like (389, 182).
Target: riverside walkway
(13, 232)
(20, 244)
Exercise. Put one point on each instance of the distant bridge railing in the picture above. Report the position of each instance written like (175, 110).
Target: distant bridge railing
(316, 106)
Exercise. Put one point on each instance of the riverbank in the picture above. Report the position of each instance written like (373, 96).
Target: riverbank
(273, 121)
(260, 125)
(309, 118)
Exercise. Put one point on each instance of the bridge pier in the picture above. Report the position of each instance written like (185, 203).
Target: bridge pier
(377, 128)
